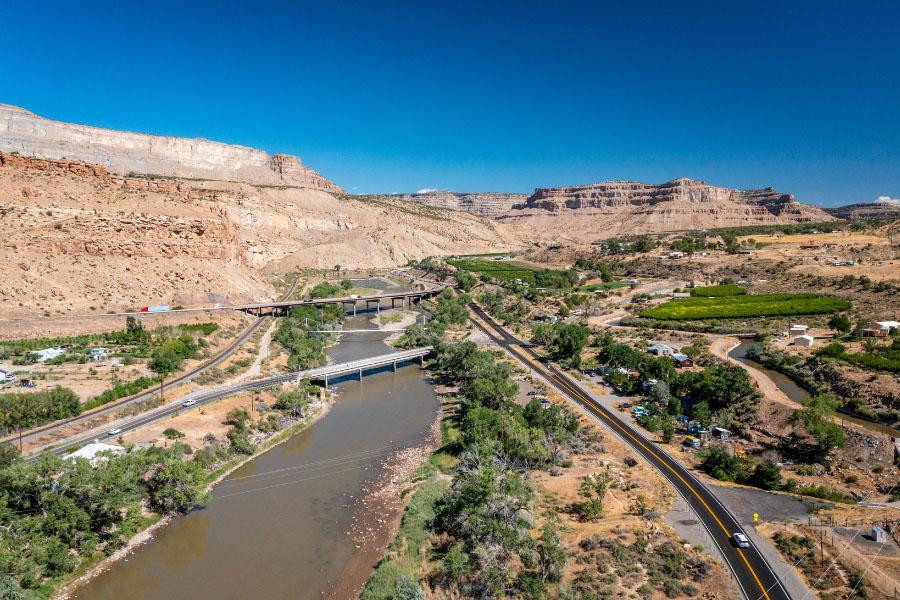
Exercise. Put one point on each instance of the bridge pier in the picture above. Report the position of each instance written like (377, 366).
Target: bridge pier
(395, 366)
(360, 373)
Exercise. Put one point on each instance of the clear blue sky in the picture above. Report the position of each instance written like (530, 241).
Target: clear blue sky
(398, 96)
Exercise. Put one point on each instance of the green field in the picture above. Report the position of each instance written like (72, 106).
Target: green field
(756, 305)
(501, 269)
(718, 291)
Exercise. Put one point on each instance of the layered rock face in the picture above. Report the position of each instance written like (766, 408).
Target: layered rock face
(125, 152)
(76, 238)
(616, 208)
(867, 210)
(484, 204)
(621, 194)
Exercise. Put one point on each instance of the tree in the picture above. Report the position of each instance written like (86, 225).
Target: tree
(134, 328)
(593, 489)
(766, 475)
(568, 341)
(465, 280)
(551, 556)
(175, 486)
(840, 322)
(816, 418)
(346, 284)
(8, 455)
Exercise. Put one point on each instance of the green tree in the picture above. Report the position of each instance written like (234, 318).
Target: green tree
(175, 486)
(766, 475)
(408, 589)
(465, 280)
(8, 454)
(551, 556)
(840, 322)
(134, 328)
(816, 418)
(568, 341)
(9, 589)
(593, 490)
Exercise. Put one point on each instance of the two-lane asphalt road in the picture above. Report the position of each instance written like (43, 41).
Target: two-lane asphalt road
(754, 575)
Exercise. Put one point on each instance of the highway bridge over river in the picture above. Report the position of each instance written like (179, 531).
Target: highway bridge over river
(324, 374)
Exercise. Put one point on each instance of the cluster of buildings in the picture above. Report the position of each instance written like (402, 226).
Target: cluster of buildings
(880, 328)
(681, 360)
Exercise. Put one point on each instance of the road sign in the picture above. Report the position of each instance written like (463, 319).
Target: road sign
(756, 517)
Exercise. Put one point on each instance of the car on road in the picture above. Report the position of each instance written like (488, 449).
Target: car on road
(740, 540)
(114, 431)
(188, 403)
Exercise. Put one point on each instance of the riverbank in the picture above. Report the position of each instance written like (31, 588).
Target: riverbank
(379, 513)
(321, 408)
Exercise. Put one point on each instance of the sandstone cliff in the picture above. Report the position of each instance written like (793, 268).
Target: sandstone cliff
(125, 152)
(76, 238)
(615, 208)
(867, 210)
(484, 204)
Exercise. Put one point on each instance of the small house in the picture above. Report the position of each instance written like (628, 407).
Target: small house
(632, 282)
(879, 535)
(720, 433)
(804, 341)
(6, 377)
(95, 453)
(676, 254)
(798, 329)
(660, 349)
(682, 360)
(47, 354)
(880, 328)
(98, 354)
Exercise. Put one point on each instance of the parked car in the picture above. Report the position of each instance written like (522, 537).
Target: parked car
(740, 540)
(640, 411)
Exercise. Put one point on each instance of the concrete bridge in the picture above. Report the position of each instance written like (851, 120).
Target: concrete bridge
(365, 364)
(200, 397)
(280, 308)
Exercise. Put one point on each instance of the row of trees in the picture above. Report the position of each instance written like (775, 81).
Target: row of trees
(21, 411)
(485, 512)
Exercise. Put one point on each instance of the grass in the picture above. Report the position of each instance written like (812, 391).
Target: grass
(755, 305)
(718, 291)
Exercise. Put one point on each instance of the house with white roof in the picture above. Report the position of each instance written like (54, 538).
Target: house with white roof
(47, 354)
(880, 328)
(798, 329)
(660, 349)
(804, 340)
(95, 452)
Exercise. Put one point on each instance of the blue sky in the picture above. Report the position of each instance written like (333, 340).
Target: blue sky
(500, 96)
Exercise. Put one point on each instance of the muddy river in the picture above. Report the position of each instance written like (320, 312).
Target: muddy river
(299, 520)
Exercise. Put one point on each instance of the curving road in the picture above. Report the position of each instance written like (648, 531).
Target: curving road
(754, 575)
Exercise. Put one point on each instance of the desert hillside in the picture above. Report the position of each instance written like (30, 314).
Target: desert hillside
(76, 238)
(484, 204)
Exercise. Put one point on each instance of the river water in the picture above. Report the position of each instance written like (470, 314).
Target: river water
(797, 393)
(291, 522)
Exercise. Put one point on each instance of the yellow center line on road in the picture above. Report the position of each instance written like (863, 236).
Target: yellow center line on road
(614, 422)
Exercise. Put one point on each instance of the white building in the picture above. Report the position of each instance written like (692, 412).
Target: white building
(95, 452)
(47, 354)
(98, 353)
(660, 349)
(804, 340)
(798, 329)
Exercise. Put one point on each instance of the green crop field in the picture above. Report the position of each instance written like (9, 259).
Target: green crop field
(754, 305)
(718, 291)
(501, 269)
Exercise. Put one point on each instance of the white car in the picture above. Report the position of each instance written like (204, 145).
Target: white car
(740, 540)
(114, 431)
(188, 403)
